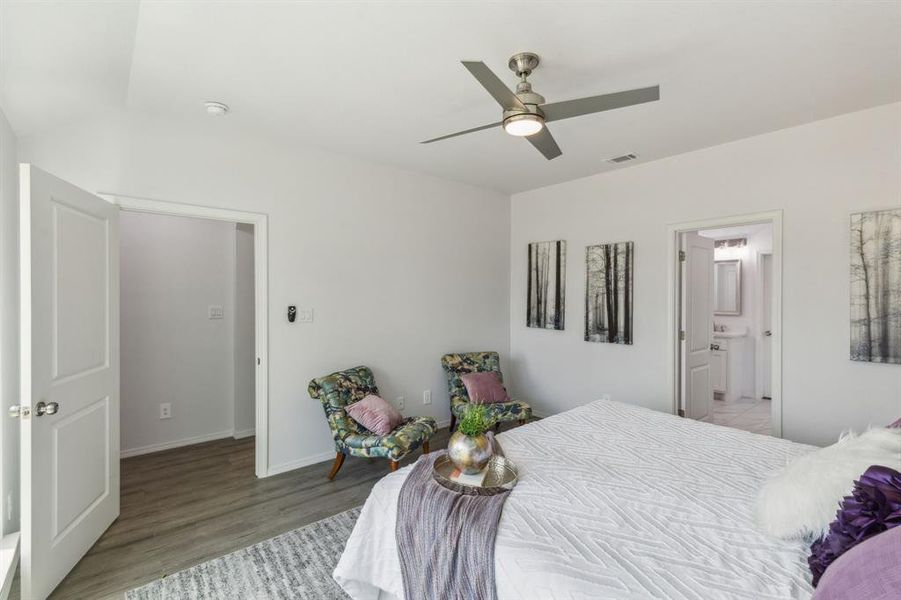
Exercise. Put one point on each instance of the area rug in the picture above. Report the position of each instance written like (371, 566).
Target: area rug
(297, 564)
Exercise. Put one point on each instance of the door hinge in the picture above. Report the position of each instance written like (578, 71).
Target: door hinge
(681, 336)
(681, 255)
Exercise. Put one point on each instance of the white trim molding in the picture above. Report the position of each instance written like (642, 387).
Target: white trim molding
(260, 224)
(244, 433)
(773, 217)
(197, 439)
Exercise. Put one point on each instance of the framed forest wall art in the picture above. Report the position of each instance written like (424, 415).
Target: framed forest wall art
(545, 296)
(876, 286)
(608, 293)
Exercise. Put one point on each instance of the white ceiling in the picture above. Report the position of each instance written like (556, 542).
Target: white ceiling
(373, 79)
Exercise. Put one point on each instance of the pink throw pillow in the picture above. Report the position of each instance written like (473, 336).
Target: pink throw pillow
(484, 388)
(375, 414)
(896, 424)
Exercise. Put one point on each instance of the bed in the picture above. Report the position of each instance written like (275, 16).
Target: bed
(616, 502)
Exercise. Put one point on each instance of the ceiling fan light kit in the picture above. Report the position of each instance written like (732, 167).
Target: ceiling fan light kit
(523, 124)
(525, 113)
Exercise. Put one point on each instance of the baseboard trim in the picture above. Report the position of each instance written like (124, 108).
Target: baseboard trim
(129, 452)
(244, 433)
(9, 560)
(318, 458)
(303, 462)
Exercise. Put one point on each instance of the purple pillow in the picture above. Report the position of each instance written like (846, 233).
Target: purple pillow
(873, 506)
(375, 414)
(484, 387)
(868, 570)
(896, 424)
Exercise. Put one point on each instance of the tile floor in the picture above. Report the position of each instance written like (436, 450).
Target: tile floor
(749, 414)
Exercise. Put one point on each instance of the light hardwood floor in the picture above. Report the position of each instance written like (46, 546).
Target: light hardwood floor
(185, 506)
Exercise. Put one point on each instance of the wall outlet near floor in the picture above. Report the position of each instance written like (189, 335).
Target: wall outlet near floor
(400, 402)
(166, 410)
(427, 397)
(216, 311)
(304, 315)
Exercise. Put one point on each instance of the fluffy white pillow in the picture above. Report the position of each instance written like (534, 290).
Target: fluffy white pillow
(801, 500)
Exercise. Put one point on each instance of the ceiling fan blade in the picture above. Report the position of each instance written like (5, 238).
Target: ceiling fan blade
(556, 111)
(491, 82)
(464, 132)
(545, 143)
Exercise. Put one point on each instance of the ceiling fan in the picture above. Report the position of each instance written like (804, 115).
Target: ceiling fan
(525, 112)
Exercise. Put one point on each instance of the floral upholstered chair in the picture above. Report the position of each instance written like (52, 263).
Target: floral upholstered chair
(339, 389)
(457, 365)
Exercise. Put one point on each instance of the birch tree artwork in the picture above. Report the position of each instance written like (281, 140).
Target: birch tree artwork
(876, 286)
(545, 298)
(608, 293)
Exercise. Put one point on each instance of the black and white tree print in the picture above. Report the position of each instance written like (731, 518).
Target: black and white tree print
(876, 286)
(608, 293)
(545, 297)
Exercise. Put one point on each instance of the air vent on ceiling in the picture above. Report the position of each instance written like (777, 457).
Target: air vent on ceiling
(621, 159)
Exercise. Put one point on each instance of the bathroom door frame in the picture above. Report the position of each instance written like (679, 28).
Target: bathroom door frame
(673, 282)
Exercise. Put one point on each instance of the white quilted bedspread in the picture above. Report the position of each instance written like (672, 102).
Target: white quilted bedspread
(614, 501)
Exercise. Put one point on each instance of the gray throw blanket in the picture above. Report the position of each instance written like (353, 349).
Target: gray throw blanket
(445, 540)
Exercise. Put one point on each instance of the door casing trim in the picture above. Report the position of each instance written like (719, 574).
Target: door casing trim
(673, 348)
(260, 222)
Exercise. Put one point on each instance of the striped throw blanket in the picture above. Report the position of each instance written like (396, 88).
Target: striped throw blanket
(445, 540)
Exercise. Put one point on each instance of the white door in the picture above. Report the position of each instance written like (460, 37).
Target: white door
(766, 345)
(70, 375)
(697, 323)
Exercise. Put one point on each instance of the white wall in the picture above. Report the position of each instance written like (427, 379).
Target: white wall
(244, 344)
(399, 267)
(817, 173)
(172, 270)
(9, 327)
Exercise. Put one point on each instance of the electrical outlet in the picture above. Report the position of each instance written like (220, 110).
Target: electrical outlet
(427, 397)
(166, 410)
(305, 315)
(216, 311)
(400, 403)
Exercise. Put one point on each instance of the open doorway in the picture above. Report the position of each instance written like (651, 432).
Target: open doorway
(187, 351)
(724, 312)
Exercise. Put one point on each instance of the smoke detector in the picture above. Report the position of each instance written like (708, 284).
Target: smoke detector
(216, 109)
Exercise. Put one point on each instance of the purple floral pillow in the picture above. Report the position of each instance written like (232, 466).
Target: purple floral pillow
(873, 506)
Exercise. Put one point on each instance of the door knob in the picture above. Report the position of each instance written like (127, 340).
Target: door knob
(42, 408)
(17, 411)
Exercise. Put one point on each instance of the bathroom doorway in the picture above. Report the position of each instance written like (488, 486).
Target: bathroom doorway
(724, 313)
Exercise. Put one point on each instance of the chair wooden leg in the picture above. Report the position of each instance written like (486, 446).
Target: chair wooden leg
(339, 460)
(425, 447)
(393, 465)
(453, 424)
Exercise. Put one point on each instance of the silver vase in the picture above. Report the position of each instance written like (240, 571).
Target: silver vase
(470, 454)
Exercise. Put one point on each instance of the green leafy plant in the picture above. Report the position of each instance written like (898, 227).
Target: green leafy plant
(475, 421)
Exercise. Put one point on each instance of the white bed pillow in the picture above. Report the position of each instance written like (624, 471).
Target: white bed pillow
(801, 500)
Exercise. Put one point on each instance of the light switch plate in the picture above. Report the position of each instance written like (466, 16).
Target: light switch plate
(427, 397)
(216, 311)
(304, 315)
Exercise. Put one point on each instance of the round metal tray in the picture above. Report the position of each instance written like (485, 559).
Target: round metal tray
(501, 477)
